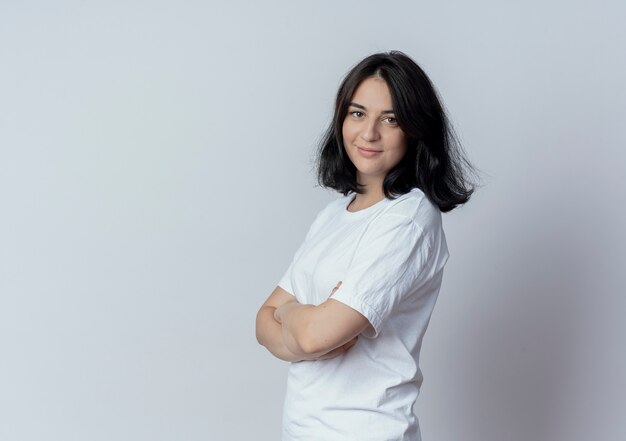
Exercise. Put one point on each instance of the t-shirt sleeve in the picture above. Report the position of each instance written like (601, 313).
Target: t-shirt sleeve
(387, 267)
(285, 280)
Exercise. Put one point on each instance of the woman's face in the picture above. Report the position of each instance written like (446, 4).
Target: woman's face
(370, 124)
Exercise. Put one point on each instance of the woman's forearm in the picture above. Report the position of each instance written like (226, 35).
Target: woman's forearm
(270, 335)
(294, 318)
(298, 335)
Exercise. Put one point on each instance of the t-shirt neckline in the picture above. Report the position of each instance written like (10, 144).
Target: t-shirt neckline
(362, 212)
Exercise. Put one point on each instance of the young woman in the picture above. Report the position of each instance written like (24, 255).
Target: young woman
(351, 310)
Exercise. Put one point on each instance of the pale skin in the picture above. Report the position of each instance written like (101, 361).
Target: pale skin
(273, 334)
(293, 331)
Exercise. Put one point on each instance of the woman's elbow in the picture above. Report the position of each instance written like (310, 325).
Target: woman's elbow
(261, 324)
(305, 347)
(307, 340)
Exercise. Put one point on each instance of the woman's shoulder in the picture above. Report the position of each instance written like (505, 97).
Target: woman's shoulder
(337, 203)
(416, 206)
(330, 209)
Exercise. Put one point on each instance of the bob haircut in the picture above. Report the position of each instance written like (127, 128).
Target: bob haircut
(433, 162)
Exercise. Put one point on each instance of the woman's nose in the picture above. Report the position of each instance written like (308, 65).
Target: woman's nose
(370, 131)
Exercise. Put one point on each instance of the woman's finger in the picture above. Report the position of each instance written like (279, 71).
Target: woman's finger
(332, 354)
(277, 316)
(350, 343)
(335, 288)
(339, 350)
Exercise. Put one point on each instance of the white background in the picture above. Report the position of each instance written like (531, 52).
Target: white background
(156, 177)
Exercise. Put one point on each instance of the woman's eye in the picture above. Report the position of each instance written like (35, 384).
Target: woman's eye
(391, 120)
(355, 112)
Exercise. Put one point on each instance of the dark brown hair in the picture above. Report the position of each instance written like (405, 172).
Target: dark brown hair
(434, 161)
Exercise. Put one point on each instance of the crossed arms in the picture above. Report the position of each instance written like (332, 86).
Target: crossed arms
(294, 332)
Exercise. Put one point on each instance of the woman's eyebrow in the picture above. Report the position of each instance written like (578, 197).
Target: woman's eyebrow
(358, 106)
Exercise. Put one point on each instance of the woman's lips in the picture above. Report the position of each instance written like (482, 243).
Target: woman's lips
(368, 153)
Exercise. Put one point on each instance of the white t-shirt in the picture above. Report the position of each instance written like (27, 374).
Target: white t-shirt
(390, 259)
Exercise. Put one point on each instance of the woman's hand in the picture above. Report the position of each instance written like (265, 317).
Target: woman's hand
(338, 351)
(335, 289)
(278, 311)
